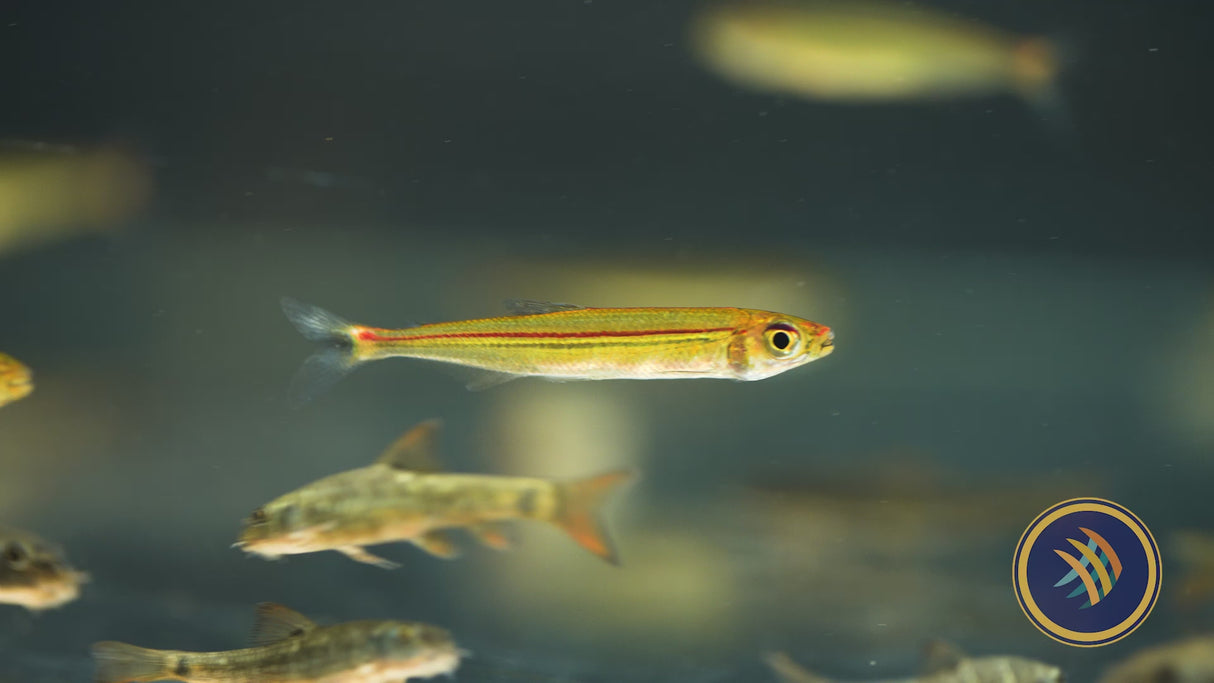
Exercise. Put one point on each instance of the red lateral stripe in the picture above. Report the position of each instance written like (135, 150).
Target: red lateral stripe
(374, 336)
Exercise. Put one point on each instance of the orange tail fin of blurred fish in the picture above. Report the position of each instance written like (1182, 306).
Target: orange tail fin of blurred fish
(122, 663)
(579, 511)
(335, 358)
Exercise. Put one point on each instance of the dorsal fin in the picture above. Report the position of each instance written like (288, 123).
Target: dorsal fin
(275, 622)
(941, 655)
(415, 449)
(533, 307)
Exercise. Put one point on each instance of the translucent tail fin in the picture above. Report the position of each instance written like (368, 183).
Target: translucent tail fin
(122, 663)
(578, 511)
(334, 360)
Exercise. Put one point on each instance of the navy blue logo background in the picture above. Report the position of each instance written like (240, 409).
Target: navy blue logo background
(1045, 568)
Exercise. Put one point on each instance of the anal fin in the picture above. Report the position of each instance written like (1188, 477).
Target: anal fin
(479, 380)
(491, 535)
(437, 544)
(360, 554)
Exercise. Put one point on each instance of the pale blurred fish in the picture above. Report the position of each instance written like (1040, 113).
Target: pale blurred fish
(1186, 661)
(945, 663)
(1193, 552)
(866, 51)
(404, 497)
(51, 192)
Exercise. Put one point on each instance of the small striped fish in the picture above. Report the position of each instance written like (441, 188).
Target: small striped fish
(566, 342)
(290, 648)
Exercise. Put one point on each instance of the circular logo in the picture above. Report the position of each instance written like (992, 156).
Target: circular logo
(1087, 572)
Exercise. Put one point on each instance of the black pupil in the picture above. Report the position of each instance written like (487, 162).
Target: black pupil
(781, 340)
(14, 553)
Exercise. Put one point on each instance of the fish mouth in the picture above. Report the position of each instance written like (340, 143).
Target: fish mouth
(827, 345)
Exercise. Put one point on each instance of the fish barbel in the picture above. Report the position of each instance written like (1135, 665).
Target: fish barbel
(945, 663)
(16, 380)
(34, 573)
(289, 648)
(566, 342)
(403, 497)
(868, 51)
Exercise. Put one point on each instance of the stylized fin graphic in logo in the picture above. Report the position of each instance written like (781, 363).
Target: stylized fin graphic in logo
(1100, 565)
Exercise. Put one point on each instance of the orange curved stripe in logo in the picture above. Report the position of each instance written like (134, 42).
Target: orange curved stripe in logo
(1105, 582)
(1093, 596)
(1114, 562)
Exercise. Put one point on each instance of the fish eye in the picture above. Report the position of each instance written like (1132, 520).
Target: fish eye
(258, 516)
(16, 555)
(783, 340)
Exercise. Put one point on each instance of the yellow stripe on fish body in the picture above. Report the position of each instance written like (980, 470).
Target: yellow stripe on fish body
(560, 341)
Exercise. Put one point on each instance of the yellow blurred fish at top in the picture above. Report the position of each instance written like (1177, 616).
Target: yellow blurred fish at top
(16, 380)
(866, 51)
(567, 342)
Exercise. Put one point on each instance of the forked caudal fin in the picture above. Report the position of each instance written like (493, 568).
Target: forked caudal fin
(579, 511)
(122, 663)
(334, 360)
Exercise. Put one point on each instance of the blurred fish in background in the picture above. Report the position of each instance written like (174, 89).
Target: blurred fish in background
(16, 380)
(35, 574)
(51, 192)
(1186, 661)
(822, 534)
(869, 52)
(1193, 551)
(944, 663)
(405, 496)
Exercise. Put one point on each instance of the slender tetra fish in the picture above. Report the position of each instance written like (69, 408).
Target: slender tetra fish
(403, 497)
(34, 573)
(16, 380)
(567, 342)
(945, 664)
(289, 648)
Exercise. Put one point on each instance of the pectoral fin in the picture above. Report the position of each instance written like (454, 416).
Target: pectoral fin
(438, 544)
(492, 536)
(360, 554)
